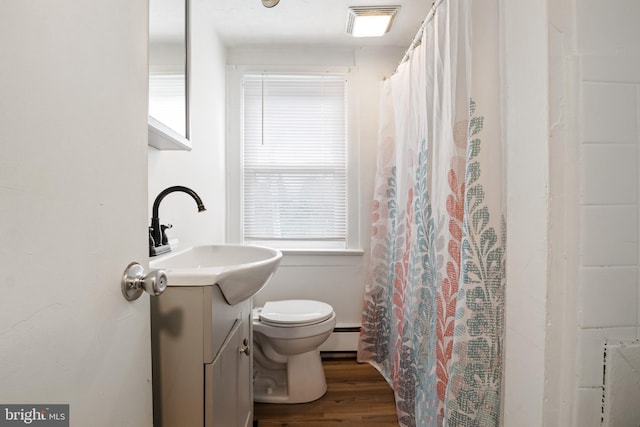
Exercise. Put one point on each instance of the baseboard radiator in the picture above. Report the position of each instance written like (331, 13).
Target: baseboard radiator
(343, 339)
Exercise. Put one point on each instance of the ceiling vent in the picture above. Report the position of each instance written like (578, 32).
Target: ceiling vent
(370, 21)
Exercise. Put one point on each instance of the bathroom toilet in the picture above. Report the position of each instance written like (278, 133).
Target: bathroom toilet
(286, 359)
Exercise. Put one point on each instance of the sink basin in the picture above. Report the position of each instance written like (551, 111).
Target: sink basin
(239, 271)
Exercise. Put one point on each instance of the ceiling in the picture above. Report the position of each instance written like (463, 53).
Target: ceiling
(308, 22)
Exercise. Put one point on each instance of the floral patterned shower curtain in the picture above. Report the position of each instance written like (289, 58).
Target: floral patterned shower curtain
(433, 318)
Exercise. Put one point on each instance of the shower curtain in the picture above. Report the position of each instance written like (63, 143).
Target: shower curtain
(433, 315)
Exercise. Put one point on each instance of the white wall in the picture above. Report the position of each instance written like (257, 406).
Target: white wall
(336, 279)
(203, 168)
(609, 84)
(526, 135)
(562, 292)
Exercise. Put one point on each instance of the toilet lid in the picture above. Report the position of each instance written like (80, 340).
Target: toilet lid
(295, 312)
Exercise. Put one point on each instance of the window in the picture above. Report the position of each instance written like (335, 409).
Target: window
(294, 161)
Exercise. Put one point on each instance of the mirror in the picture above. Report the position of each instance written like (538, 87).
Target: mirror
(168, 74)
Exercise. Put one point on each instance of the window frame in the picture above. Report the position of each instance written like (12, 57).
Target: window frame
(234, 169)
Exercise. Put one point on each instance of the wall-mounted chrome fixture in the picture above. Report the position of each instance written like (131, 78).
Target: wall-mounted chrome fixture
(270, 3)
(370, 21)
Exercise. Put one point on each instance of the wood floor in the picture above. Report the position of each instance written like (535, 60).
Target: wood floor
(357, 396)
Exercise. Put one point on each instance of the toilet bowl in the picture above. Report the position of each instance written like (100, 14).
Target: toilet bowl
(286, 337)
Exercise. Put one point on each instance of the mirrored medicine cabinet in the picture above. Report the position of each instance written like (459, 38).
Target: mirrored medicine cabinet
(169, 74)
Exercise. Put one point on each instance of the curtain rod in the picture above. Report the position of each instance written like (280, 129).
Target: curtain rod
(417, 39)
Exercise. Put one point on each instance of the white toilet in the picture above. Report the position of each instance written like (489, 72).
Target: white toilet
(286, 337)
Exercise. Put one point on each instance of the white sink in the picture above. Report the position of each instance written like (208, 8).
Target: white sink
(239, 271)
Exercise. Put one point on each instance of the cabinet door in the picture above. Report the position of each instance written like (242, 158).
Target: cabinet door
(228, 381)
(225, 381)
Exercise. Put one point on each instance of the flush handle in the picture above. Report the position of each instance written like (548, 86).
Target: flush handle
(245, 347)
(135, 280)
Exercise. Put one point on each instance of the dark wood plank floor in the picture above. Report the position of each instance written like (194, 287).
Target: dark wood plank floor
(357, 396)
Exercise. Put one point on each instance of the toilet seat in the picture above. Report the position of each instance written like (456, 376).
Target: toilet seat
(292, 313)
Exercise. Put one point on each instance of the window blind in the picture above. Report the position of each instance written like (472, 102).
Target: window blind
(294, 158)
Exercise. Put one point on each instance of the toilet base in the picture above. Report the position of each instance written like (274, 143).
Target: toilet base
(300, 380)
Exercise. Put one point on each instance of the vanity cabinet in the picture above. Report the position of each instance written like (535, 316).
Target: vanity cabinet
(202, 361)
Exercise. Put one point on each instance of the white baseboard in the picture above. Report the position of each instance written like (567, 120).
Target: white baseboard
(341, 341)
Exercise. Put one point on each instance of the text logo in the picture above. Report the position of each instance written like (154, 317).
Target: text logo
(34, 415)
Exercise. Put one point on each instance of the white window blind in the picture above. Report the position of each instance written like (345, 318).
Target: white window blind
(294, 159)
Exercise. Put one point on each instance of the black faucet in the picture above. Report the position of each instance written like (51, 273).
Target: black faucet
(158, 243)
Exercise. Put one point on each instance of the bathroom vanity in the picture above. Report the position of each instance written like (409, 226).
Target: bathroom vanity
(202, 334)
(202, 361)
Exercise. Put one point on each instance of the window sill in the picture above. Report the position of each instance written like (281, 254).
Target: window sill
(321, 257)
(323, 252)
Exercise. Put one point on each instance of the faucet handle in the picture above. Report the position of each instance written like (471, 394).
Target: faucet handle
(165, 240)
(152, 242)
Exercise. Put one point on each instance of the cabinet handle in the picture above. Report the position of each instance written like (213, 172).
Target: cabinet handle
(245, 347)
